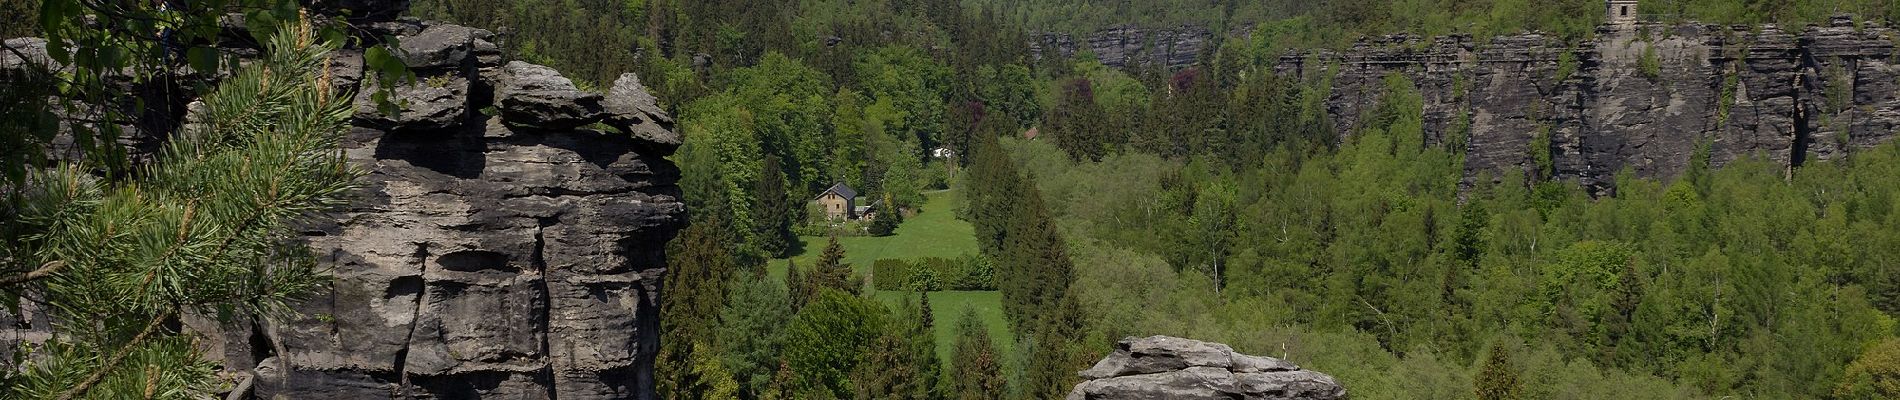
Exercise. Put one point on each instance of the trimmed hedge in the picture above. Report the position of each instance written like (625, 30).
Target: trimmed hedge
(889, 274)
(934, 274)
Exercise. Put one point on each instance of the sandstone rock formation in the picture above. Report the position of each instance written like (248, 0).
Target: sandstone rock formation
(517, 255)
(1161, 367)
(503, 247)
(1640, 97)
(1643, 97)
(1129, 46)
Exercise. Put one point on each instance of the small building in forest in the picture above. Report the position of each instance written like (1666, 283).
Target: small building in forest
(840, 202)
(1621, 12)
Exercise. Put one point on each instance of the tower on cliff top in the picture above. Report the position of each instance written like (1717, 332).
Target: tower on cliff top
(1622, 12)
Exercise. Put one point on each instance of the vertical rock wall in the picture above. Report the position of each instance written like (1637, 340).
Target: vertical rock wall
(1640, 97)
(510, 242)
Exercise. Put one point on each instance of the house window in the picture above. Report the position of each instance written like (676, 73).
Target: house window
(1626, 11)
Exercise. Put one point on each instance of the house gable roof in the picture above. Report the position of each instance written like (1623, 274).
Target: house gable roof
(841, 189)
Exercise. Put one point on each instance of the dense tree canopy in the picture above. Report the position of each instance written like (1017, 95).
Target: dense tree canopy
(1216, 201)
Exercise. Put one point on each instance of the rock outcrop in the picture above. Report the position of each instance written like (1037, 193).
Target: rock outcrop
(1129, 46)
(1640, 97)
(515, 255)
(1162, 367)
(505, 245)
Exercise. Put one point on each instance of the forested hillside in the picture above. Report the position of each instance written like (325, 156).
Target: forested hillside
(1217, 202)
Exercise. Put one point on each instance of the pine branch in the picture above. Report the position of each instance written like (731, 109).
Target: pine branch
(111, 363)
(45, 270)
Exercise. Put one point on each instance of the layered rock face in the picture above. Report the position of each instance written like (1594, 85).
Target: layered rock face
(514, 255)
(509, 241)
(1129, 46)
(1642, 97)
(1639, 97)
(1161, 367)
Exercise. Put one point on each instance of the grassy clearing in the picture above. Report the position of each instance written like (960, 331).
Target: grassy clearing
(934, 232)
(947, 310)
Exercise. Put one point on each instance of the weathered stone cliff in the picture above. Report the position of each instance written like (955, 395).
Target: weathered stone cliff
(1639, 97)
(514, 255)
(1129, 46)
(1642, 97)
(1161, 367)
(509, 241)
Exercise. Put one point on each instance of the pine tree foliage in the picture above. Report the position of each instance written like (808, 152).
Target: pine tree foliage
(695, 289)
(1076, 122)
(832, 272)
(1497, 379)
(1055, 353)
(901, 364)
(776, 211)
(1035, 270)
(207, 229)
(749, 333)
(994, 188)
(975, 367)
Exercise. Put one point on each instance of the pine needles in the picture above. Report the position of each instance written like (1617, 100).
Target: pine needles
(208, 229)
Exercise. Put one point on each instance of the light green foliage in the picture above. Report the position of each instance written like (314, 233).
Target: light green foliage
(205, 230)
(779, 109)
(1567, 65)
(713, 381)
(1651, 62)
(913, 83)
(1497, 378)
(1875, 375)
(1213, 227)
(827, 339)
(1732, 281)
(750, 325)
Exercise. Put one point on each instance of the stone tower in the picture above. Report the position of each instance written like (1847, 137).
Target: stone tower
(1621, 12)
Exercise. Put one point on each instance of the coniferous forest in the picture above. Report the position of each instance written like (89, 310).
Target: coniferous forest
(1023, 210)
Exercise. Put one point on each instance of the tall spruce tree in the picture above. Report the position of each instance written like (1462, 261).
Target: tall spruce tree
(1497, 379)
(994, 188)
(900, 364)
(1035, 269)
(776, 212)
(923, 343)
(695, 290)
(975, 367)
(749, 334)
(800, 286)
(1076, 122)
(1055, 351)
(832, 272)
(117, 261)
